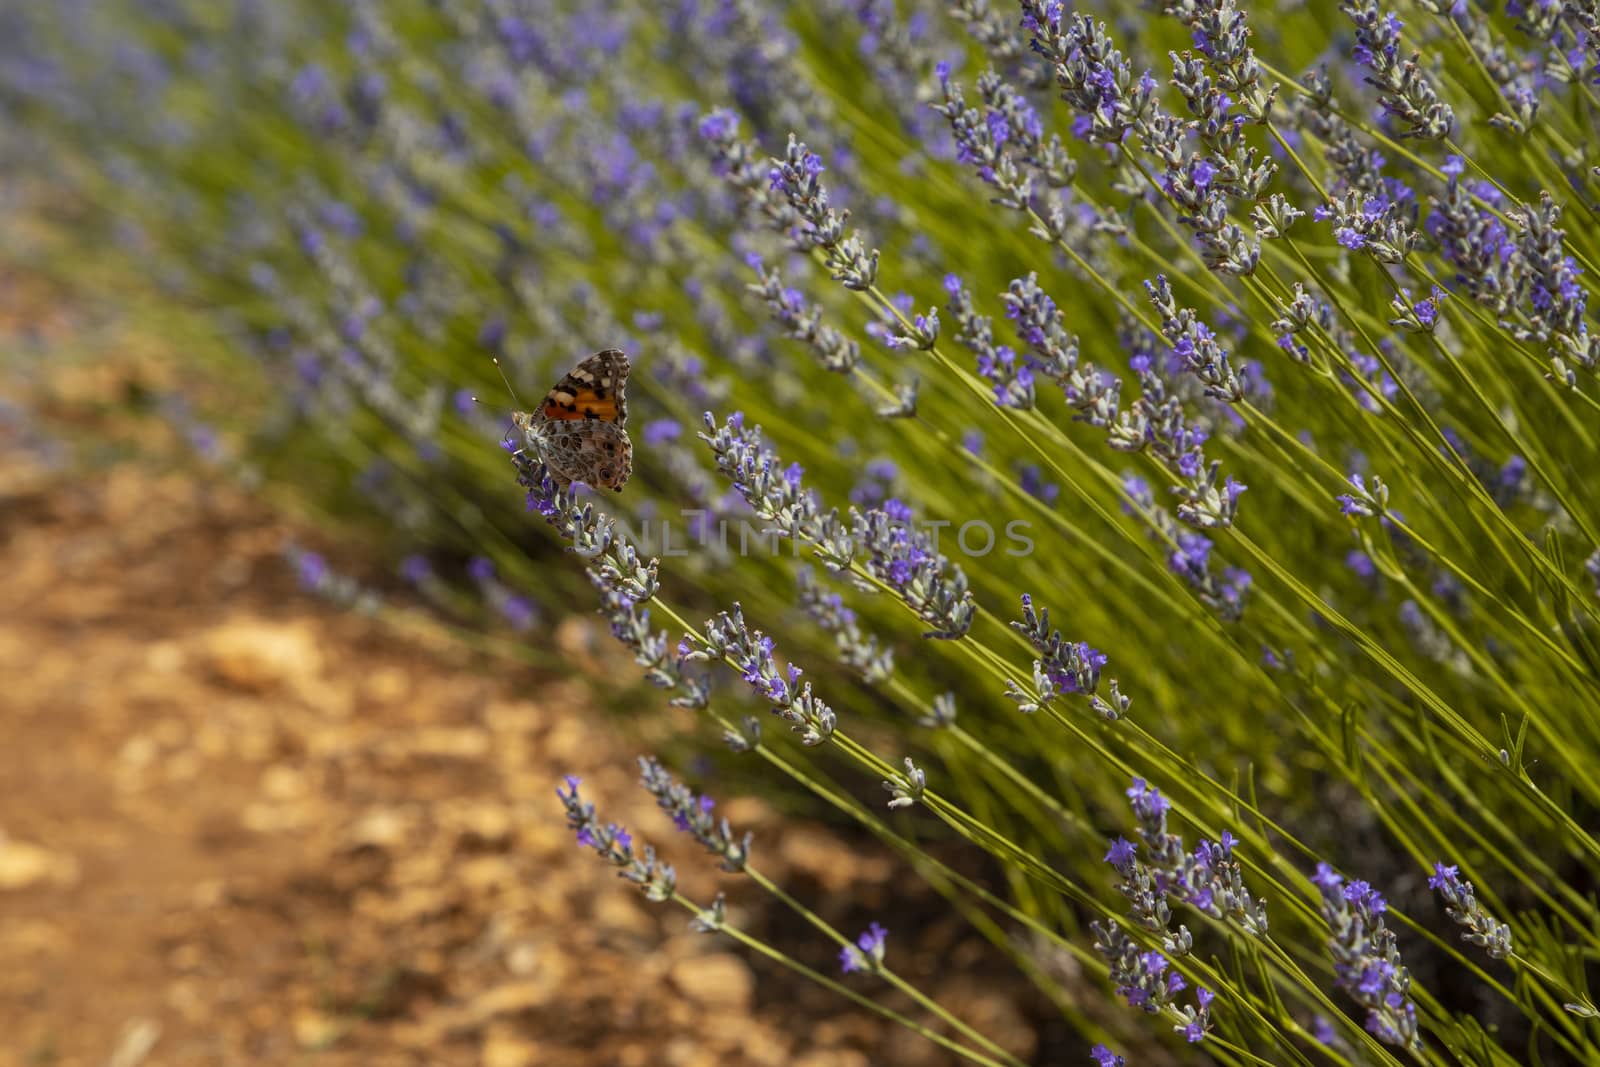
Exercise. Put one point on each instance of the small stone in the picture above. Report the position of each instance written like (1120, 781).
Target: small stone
(719, 981)
(259, 656)
(832, 1057)
(504, 1048)
(834, 867)
(619, 913)
(383, 828)
(386, 685)
(510, 998)
(283, 782)
(23, 865)
(314, 1030)
(450, 742)
(688, 1052)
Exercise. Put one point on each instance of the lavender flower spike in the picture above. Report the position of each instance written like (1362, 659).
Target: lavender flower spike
(1148, 980)
(1461, 904)
(750, 651)
(776, 493)
(1104, 1057)
(802, 321)
(906, 789)
(614, 844)
(1063, 667)
(1366, 501)
(1195, 343)
(1092, 75)
(692, 815)
(1406, 93)
(797, 178)
(1366, 959)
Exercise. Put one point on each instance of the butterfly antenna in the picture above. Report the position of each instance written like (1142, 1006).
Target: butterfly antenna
(516, 400)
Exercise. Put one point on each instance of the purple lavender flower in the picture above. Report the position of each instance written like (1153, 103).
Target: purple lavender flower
(1062, 667)
(1421, 317)
(691, 814)
(867, 953)
(614, 844)
(857, 649)
(908, 561)
(661, 431)
(1093, 77)
(1121, 853)
(1146, 980)
(1366, 958)
(1011, 379)
(1190, 558)
(1004, 142)
(1209, 878)
(518, 611)
(750, 652)
(1032, 481)
(1407, 94)
(1194, 343)
(415, 569)
(311, 569)
(1104, 1057)
(1092, 394)
(1461, 904)
(1366, 501)
(803, 321)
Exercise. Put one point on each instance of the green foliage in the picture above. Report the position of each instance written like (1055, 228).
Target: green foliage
(1378, 673)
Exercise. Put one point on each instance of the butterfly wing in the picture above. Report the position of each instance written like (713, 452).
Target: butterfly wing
(591, 390)
(591, 451)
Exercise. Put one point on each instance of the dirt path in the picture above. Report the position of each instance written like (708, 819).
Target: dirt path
(239, 826)
(254, 829)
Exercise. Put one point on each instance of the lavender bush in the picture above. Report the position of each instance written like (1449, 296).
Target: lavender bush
(1202, 401)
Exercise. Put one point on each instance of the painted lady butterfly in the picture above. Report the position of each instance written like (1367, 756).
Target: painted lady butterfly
(579, 431)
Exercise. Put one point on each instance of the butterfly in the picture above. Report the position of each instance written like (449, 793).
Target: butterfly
(579, 431)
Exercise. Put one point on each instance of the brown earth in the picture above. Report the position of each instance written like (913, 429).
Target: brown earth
(239, 825)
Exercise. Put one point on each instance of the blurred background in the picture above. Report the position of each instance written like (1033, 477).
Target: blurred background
(291, 675)
(293, 665)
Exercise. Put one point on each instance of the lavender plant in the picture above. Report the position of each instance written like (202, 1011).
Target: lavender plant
(1022, 298)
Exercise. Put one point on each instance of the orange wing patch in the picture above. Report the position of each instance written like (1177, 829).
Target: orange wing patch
(585, 404)
(591, 390)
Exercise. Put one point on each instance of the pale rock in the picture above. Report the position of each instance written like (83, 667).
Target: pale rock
(821, 856)
(503, 1047)
(719, 981)
(747, 811)
(513, 716)
(485, 873)
(314, 1030)
(688, 1052)
(832, 1057)
(259, 656)
(165, 657)
(449, 742)
(386, 685)
(280, 781)
(382, 828)
(763, 1045)
(619, 912)
(23, 865)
